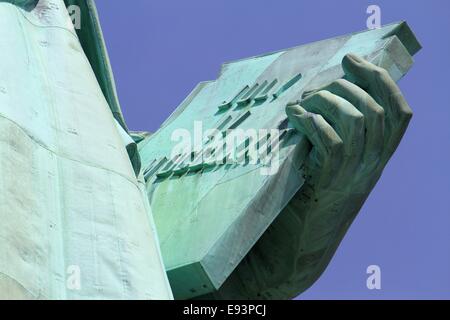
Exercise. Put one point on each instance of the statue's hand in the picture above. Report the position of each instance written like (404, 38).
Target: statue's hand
(354, 126)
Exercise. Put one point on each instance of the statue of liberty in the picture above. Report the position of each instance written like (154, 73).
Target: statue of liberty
(76, 217)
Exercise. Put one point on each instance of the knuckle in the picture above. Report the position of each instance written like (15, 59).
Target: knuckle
(335, 146)
(378, 112)
(357, 120)
(323, 95)
(327, 100)
(352, 113)
(406, 114)
(381, 73)
(339, 83)
(356, 117)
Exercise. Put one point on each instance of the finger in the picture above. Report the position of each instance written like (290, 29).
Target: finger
(343, 117)
(372, 111)
(378, 83)
(326, 154)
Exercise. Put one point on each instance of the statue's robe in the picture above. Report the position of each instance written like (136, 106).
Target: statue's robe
(75, 222)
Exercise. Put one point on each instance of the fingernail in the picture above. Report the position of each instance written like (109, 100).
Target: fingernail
(294, 108)
(354, 58)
